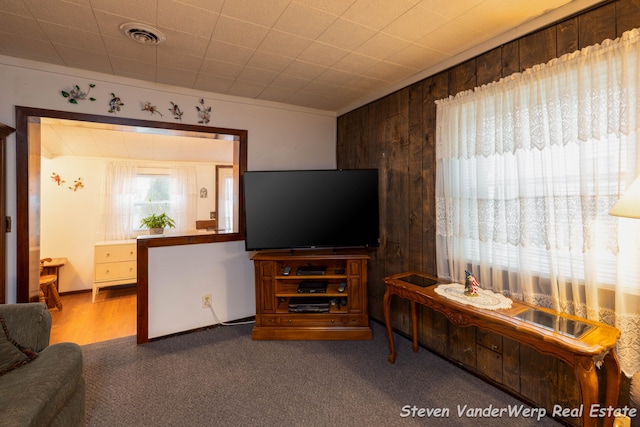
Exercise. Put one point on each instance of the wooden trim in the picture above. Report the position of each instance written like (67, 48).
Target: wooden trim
(24, 114)
(21, 225)
(5, 131)
(142, 300)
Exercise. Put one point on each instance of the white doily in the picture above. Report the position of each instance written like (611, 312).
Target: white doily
(486, 299)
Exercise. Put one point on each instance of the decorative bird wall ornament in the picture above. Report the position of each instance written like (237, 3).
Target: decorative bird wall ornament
(76, 94)
(115, 103)
(175, 110)
(77, 185)
(151, 108)
(57, 179)
(204, 112)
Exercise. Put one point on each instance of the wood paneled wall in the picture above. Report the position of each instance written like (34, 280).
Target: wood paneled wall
(396, 135)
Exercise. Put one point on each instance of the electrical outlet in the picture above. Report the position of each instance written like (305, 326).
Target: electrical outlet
(206, 301)
(212, 215)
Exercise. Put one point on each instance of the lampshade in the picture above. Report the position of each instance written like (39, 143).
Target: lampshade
(629, 204)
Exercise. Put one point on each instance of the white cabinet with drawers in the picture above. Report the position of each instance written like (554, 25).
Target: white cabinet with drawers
(115, 264)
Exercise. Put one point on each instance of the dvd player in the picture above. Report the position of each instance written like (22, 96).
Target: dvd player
(312, 287)
(308, 305)
(309, 310)
(311, 270)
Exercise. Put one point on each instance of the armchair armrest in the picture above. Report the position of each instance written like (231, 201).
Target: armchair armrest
(29, 324)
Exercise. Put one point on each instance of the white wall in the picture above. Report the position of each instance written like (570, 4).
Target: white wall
(70, 218)
(280, 136)
(221, 270)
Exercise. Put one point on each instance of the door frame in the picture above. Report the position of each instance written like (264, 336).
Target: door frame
(27, 287)
(5, 131)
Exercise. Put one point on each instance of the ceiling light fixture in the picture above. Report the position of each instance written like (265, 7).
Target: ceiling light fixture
(142, 33)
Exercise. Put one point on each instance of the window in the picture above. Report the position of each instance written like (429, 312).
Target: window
(528, 169)
(151, 195)
(539, 194)
(132, 192)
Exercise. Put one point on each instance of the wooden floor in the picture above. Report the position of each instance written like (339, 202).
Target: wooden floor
(113, 315)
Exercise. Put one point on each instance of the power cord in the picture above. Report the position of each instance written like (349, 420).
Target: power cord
(218, 322)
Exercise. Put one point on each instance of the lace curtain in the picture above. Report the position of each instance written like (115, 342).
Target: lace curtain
(117, 202)
(527, 171)
(118, 218)
(184, 198)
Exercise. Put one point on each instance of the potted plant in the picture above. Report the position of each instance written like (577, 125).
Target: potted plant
(157, 223)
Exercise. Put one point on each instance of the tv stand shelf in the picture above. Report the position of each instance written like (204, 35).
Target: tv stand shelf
(291, 290)
(347, 316)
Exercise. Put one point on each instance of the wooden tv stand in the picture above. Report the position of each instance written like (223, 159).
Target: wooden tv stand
(346, 319)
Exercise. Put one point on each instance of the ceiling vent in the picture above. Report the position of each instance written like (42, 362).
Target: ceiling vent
(143, 34)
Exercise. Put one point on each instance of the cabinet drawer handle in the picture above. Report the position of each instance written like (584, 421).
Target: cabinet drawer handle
(467, 350)
(108, 254)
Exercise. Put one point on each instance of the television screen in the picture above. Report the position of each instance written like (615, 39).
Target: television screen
(311, 209)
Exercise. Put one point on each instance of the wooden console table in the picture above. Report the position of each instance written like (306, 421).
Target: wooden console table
(583, 344)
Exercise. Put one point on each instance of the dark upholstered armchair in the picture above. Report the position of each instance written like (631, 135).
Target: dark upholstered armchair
(40, 384)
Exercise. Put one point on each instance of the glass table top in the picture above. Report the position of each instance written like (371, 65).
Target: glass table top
(417, 280)
(555, 323)
(552, 322)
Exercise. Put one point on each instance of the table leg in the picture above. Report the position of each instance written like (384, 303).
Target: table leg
(52, 270)
(612, 372)
(414, 325)
(585, 371)
(387, 320)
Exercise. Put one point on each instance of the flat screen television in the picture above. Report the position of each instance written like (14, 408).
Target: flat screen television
(299, 209)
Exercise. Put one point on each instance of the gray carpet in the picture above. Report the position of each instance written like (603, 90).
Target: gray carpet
(220, 377)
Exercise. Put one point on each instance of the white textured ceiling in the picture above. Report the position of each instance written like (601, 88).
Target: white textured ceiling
(325, 54)
(60, 138)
